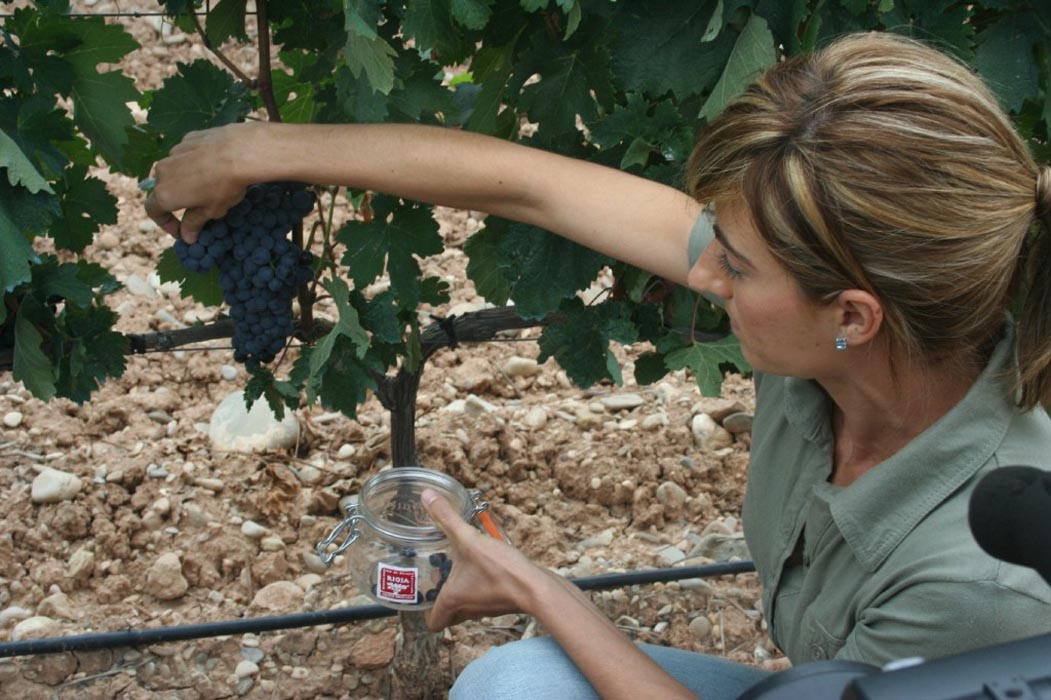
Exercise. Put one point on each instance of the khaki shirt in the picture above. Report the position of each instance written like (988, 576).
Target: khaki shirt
(889, 568)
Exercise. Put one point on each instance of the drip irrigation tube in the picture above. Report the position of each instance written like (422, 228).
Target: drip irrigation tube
(158, 635)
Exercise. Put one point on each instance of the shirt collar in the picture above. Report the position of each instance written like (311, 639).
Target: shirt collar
(884, 504)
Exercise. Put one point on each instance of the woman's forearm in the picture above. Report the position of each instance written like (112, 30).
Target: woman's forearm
(624, 216)
(611, 662)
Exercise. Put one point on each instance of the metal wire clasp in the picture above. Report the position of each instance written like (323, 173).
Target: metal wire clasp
(478, 504)
(348, 528)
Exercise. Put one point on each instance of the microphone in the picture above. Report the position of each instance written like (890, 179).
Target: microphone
(1010, 517)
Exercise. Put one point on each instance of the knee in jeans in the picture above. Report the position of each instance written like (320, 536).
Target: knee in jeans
(507, 671)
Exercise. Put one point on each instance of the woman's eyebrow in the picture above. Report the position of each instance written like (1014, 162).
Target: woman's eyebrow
(721, 237)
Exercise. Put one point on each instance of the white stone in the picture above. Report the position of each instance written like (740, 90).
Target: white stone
(622, 402)
(474, 406)
(457, 406)
(346, 451)
(739, 422)
(536, 418)
(14, 613)
(671, 495)
(312, 562)
(670, 556)
(147, 226)
(229, 372)
(308, 581)
(81, 564)
(210, 484)
(271, 543)
(702, 426)
(701, 627)
(709, 434)
(36, 627)
(13, 419)
(53, 486)
(521, 367)
(57, 605)
(245, 669)
(140, 287)
(253, 530)
(200, 315)
(107, 240)
(165, 316)
(280, 596)
(164, 580)
(235, 429)
(603, 539)
(654, 421)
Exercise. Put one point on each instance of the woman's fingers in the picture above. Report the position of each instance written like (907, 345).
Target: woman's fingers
(160, 215)
(446, 517)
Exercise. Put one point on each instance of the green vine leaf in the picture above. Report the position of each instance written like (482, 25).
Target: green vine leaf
(365, 51)
(473, 14)
(411, 231)
(707, 361)
(86, 205)
(32, 366)
(753, 51)
(20, 172)
(670, 55)
(15, 250)
(1005, 58)
(279, 395)
(226, 21)
(486, 266)
(202, 287)
(67, 51)
(581, 343)
(94, 351)
(341, 383)
(199, 96)
(545, 269)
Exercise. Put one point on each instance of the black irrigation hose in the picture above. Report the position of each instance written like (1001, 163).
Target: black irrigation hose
(158, 635)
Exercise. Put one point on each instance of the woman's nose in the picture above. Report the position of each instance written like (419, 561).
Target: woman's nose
(708, 278)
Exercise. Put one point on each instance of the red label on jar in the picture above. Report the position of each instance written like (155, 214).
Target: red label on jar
(396, 584)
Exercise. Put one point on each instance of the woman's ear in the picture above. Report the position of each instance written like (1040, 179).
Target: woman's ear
(859, 316)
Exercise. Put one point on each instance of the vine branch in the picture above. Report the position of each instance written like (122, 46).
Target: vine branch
(241, 75)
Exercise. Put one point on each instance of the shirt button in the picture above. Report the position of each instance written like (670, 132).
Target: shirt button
(817, 651)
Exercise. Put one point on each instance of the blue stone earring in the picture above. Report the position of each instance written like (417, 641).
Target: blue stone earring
(841, 342)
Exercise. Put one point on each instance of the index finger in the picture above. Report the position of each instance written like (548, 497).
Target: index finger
(163, 218)
(445, 516)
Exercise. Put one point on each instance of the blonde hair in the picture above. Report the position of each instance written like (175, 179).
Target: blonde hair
(881, 164)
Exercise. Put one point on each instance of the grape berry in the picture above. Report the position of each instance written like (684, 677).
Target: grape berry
(259, 268)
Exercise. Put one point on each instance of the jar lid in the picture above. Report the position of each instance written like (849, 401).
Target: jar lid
(390, 503)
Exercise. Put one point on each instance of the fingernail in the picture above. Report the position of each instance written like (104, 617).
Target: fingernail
(428, 497)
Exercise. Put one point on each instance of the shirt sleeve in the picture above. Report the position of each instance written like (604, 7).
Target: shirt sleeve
(701, 235)
(935, 619)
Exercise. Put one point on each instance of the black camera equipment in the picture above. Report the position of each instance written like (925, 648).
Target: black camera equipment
(1010, 517)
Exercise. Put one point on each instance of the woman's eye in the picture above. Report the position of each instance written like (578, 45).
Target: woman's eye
(724, 263)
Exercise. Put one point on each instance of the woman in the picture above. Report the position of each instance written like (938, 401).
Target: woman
(867, 219)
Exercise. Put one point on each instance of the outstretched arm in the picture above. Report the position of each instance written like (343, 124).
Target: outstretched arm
(627, 217)
(489, 577)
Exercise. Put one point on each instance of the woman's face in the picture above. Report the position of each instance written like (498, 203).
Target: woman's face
(781, 331)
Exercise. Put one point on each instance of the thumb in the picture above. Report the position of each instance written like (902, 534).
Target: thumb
(445, 516)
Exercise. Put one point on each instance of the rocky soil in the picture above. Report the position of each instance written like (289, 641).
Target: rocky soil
(124, 513)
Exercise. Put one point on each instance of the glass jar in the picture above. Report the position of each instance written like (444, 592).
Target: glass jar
(396, 554)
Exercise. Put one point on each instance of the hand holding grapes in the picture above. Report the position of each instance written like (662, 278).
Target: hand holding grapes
(198, 176)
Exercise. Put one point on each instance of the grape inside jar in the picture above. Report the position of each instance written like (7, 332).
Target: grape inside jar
(396, 554)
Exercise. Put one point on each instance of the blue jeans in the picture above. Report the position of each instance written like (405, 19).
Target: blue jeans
(537, 669)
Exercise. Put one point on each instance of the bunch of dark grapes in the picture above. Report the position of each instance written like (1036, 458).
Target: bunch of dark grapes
(259, 268)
